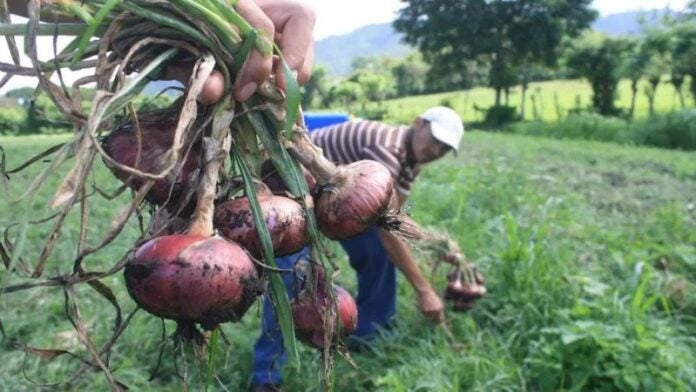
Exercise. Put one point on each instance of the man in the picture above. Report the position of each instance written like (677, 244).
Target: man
(376, 254)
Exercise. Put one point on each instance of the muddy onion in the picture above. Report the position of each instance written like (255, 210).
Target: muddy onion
(206, 280)
(354, 199)
(284, 218)
(308, 315)
(157, 139)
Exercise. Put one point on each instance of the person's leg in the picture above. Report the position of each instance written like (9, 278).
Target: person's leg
(376, 297)
(269, 353)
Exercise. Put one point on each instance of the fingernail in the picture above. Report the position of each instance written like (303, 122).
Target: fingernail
(294, 74)
(248, 90)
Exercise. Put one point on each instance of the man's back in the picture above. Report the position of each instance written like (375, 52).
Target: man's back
(352, 141)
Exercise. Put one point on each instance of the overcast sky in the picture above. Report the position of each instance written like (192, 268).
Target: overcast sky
(339, 17)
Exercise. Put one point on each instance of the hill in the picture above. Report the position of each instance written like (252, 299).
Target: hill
(337, 52)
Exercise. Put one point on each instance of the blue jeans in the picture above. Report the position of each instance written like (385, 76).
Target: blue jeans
(376, 302)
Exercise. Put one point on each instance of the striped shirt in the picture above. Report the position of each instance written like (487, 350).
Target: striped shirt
(350, 142)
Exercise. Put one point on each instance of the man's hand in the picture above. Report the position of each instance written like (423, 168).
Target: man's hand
(431, 305)
(290, 24)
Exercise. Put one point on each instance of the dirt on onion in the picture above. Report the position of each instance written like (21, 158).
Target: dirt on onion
(284, 218)
(205, 280)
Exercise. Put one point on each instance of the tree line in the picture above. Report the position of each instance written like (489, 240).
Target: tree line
(505, 44)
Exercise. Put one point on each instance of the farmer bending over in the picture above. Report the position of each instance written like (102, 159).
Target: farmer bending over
(375, 253)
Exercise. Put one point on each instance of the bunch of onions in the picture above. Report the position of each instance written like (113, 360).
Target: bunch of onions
(284, 218)
(197, 277)
(465, 285)
(143, 146)
(349, 199)
(311, 307)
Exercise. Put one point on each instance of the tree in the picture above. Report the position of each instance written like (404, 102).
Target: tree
(347, 93)
(410, 75)
(655, 46)
(23, 93)
(600, 60)
(505, 34)
(634, 68)
(376, 86)
(684, 52)
(316, 87)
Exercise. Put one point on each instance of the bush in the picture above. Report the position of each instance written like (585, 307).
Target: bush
(676, 130)
(590, 126)
(500, 115)
(12, 121)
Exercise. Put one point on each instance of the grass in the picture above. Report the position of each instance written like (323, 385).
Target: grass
(554, 99)
(589, 251)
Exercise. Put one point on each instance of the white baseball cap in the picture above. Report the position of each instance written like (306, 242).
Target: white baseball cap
(445, 124)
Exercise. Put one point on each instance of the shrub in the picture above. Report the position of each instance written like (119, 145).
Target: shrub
(674, 130)
(12, 121)
(583, 125)
(499, 115)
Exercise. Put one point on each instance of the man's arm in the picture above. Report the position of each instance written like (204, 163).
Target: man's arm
(400, 254)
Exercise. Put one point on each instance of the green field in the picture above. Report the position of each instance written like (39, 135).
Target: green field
(553, 100)
(589, 250)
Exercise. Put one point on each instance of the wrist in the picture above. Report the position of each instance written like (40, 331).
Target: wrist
(423, 289)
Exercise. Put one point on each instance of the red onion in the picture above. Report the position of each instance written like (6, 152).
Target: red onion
(464, 287)
(157, 139)
(206, 280)
(349, 198)
(284, 218)
(358, 195)
(309, 311)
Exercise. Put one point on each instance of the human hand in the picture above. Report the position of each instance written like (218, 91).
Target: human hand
(431, 306)
(290, 23)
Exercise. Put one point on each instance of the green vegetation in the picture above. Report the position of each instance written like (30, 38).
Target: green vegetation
(547, 101)
(588, 250)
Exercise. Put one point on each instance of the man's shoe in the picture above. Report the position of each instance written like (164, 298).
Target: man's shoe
(265, 388)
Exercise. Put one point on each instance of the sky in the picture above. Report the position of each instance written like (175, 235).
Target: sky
(339, 17)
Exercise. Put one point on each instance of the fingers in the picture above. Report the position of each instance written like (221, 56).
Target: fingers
(291, 24)
(213, 88)
(294, 23)
(257, 67)
(432, 307)
(296, 41)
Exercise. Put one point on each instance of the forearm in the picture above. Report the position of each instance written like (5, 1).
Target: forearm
(401, 256)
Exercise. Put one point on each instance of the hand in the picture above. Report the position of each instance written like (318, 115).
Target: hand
(431, 306)
(290, 24)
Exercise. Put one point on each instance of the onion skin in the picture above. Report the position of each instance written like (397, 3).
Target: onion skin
(206, 280)
(156, 140)
(275, 182)
(284, 218)
(308, 315)
(355, 198)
